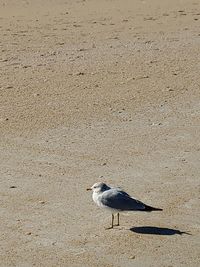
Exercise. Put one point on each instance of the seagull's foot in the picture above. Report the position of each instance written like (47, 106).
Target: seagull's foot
(108, 228)
(114, 228)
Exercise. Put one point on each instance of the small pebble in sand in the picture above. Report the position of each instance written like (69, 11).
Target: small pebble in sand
(80, 73)
(42, 202)
(28, 233)
(132, 257)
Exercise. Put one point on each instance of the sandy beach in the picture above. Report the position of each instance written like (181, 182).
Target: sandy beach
(99, 91)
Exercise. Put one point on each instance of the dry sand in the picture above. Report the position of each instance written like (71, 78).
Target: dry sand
(99, 90)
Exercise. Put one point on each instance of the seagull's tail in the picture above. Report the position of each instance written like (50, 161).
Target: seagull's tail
(149, 208)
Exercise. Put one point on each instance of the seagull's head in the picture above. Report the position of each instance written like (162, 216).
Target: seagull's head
(99, 187)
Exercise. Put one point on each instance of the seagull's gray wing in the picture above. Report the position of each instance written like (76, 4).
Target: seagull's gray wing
(120, 200)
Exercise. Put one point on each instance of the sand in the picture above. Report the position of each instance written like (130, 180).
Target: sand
(99, 91)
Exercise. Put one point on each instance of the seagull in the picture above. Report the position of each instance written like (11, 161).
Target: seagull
(116, 200)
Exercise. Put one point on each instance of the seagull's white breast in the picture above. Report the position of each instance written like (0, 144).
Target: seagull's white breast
(97, 199)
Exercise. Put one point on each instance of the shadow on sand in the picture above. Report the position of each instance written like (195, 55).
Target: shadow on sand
(152, 230)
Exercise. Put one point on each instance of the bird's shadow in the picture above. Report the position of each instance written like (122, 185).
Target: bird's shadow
(152, 230)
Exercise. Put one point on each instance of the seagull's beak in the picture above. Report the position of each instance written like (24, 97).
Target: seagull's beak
(89, 189)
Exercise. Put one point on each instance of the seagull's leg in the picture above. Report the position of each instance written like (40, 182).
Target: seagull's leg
(112, 220)
(112, 223)
(118, 219)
